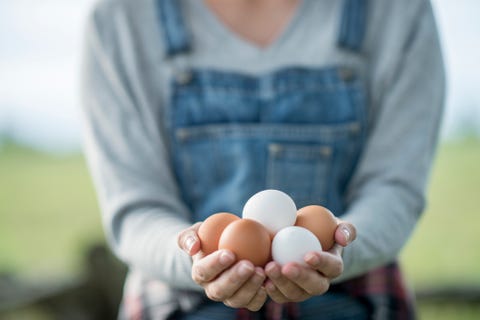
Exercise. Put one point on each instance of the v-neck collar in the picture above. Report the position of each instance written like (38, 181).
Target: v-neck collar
(224, 33)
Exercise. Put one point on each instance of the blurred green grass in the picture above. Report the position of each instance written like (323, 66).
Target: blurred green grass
(49, 215)
(443, 248)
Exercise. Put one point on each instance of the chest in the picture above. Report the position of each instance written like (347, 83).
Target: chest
(298, 130)
(290, 118)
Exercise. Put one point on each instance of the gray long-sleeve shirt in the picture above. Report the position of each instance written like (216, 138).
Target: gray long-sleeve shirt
(125, 86)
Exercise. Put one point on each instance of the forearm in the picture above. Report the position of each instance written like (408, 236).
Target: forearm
(129, 160)
(146, 241)
(384, 222)
(386, 195)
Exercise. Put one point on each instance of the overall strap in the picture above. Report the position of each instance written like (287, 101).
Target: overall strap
(176, 37)
(353, 24)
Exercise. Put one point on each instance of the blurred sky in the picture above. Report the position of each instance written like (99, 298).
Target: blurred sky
(41, 45)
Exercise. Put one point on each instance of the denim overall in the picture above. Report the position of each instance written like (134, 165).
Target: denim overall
(297, 129)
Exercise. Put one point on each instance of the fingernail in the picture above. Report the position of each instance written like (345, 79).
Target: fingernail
(245, 269)
(312, 259)
(294, 272)
(226, 258)
(260, 275)
(273, 272)
(188, 243)
(259, 272)
(270, 287)
(346, 234)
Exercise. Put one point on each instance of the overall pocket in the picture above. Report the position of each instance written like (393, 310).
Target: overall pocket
(298, 130)
(221, 166)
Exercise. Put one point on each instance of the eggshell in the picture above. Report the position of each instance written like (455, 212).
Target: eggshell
(248, 239)
(291, 244)
(274, 209)
(321, 222)
(211, 229)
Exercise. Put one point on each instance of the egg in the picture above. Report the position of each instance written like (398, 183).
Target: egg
(291, 244)
(321, 222)
(274, 209)
(211, 229)
(248, 239)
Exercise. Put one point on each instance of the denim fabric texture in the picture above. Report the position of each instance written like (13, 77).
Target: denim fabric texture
(183, 118)
(298, 130)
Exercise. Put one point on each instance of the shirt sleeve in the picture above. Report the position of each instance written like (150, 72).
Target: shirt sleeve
(387, 194)
(128, 157)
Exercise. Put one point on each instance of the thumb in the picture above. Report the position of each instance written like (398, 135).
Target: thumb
(188, 240)
(345, 233)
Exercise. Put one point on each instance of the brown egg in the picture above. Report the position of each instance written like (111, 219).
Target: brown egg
(211, 229)
(321, 222)
(248, 239)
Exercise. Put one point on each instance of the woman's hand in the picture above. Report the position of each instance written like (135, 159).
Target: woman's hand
(236, 284)
(295, 283)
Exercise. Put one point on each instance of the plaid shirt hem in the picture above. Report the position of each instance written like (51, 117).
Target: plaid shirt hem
(382, 291)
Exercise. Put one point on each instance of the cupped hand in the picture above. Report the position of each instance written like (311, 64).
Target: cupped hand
(236, 284)
(294, 282)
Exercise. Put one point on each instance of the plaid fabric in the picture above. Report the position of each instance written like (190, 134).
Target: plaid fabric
(382, 293)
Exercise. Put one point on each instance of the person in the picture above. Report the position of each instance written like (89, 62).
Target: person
(190, 107)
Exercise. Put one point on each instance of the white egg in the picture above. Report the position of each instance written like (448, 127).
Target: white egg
(272, 208)
(291, 244)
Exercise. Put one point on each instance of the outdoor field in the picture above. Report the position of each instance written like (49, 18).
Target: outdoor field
(49, 216)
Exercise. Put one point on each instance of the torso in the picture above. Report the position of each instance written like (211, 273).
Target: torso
(256, 64)
(296, 127)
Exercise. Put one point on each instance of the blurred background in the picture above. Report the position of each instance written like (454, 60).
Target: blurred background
(53, 263)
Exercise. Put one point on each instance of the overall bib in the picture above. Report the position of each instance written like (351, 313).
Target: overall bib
(296, 129)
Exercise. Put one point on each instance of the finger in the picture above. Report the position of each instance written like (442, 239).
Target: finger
(345, 233)
(188, 239)
(205, 269)
(273, 292)
(336, 250)
(248, 291)
(258, 301)
(330, 264)
(306, 278)
(288, 288)
(228, 282)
